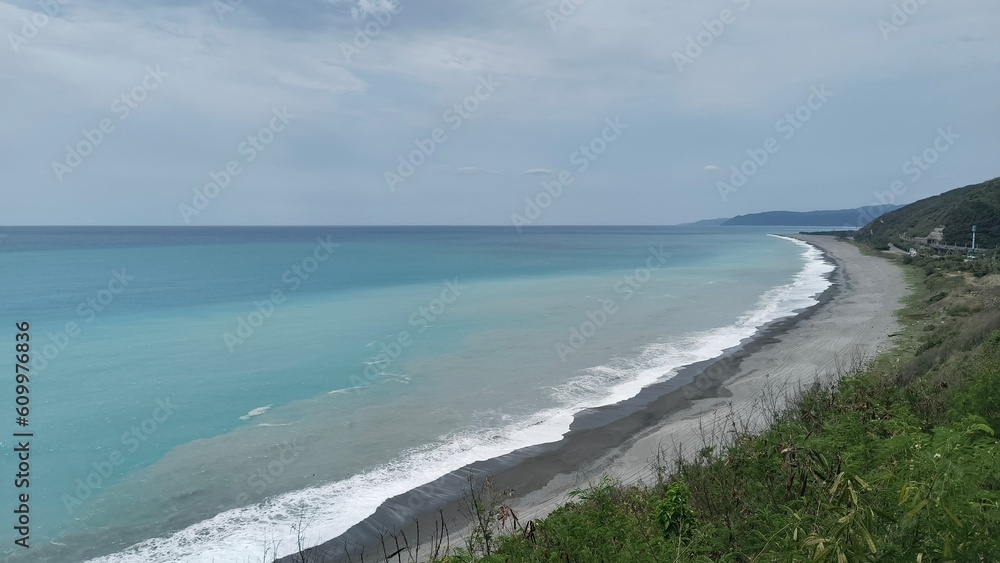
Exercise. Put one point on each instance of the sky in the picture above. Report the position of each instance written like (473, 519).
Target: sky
(516, 112)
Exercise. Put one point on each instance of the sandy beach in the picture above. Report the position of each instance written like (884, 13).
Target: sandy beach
(852, 325)
(853, 322)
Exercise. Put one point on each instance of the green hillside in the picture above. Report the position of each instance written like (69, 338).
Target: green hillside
(957, 210)
(852, 218)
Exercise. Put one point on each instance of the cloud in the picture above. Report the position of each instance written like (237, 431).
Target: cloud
(359, 113)
(363, 8)
(474, 171)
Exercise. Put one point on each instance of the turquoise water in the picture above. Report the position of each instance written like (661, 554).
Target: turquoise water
(222, 384)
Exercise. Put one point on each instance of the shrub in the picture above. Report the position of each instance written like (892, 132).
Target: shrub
(673, 512)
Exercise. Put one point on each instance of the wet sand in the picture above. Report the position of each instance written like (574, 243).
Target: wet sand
(851, 323)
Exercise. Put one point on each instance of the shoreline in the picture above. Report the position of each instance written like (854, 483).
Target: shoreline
(851, 322)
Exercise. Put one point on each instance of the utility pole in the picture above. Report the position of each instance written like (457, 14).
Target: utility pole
(973, 241)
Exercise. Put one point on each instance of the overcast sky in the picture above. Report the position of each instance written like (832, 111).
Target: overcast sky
(631, 111)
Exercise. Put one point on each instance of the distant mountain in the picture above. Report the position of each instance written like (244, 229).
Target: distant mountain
(707, 223)
(956, 211)
(851, 218)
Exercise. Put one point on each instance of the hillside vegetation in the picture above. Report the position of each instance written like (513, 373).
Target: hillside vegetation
(957, 210)
(849, 218)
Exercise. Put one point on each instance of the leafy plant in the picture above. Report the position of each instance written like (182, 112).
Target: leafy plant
(673, 512)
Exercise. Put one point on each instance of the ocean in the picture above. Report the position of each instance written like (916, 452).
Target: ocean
(221, 394)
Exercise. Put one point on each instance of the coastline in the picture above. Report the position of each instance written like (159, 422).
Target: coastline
(852, 321)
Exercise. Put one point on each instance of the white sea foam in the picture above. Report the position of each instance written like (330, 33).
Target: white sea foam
(256, 412)
(345, 391)
(242, 534)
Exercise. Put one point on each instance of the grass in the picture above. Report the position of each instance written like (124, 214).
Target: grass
(851, 473)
